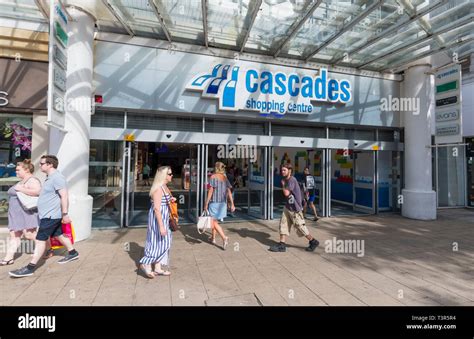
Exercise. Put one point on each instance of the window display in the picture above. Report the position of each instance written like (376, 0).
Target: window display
(15, 145)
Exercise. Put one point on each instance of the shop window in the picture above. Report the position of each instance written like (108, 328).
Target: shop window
(15, 142)
(15, 145)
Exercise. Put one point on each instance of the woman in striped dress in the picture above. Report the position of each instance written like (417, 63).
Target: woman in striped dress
(216, 203)
(158, 238)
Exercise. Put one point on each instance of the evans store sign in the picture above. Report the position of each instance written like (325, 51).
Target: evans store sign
(237, 88)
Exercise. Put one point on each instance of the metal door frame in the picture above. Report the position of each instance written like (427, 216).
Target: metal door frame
(464, 174)
(359, 208)
(263, 194)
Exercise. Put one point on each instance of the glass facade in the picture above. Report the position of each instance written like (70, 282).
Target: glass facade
(451, 176)
(15, 145)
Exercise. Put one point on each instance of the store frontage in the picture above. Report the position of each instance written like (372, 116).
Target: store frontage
(21, 98)
(352, 176)
(188, 111)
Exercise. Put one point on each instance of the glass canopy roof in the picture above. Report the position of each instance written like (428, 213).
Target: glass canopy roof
(378, 35)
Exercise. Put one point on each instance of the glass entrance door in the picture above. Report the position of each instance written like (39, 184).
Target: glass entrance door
(133, 217)
(299, 158)
(388, 180)
(105, 182)
(256, 182)
(364, 181)
(142, 161)
(245, 170)
(451, 188)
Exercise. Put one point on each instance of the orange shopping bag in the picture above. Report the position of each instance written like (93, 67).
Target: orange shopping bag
(68, 231)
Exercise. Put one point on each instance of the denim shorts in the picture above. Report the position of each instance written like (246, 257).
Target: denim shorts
(49, 228)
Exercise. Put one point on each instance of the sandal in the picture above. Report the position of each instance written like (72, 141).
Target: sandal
(212, 240)
(146, 271)
(226, 242)
(7, 262)
(165, 273)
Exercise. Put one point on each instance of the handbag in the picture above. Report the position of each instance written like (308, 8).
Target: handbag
(28, 202)
(204, 222)
(68, 231)
(173, 208)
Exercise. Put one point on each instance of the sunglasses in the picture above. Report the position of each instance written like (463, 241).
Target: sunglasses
(170, 174)
(42, 163)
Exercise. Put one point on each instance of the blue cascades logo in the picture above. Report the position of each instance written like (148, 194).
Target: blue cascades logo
(219, 85)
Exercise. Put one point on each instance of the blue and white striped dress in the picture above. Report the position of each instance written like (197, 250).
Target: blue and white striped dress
(156, 246)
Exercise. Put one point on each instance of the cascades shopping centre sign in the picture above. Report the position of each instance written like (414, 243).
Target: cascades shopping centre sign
(268, 92)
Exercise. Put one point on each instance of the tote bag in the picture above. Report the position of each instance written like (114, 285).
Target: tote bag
(204, 222)
(28, 202)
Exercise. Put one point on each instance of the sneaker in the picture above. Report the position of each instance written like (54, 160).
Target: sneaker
(280, 247)
(22, 272)
(315, 219)
(69, 257)
(312, 245)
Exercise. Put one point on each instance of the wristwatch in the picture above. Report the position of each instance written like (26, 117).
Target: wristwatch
(64, 214)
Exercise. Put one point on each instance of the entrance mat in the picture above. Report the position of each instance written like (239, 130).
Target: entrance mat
(249, 299)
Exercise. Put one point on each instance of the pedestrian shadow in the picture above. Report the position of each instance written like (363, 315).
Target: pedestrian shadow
(135, 252)
(191, 235)
(261, 237)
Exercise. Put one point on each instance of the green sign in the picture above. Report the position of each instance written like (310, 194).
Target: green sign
(446, 87)
(61, 35)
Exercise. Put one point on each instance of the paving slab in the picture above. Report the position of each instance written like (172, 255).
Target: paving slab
(411, 257)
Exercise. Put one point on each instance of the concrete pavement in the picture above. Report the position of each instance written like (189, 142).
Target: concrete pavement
(404, 262)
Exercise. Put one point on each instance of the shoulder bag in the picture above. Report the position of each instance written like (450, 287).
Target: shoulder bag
(173, 208)
(28, 202)
(204, 222)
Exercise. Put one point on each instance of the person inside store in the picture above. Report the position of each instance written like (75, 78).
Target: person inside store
(53, 205)
(158, 238)
(292, 212)
(231, 177)
(245, 174)
(216, 202)
(309, 191)
(146, 174)
(22, 221)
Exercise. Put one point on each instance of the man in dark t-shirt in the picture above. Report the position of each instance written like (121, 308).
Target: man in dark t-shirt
(292, 212)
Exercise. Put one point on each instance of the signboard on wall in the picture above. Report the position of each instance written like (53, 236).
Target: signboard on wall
(448, 123)
(241, 88)
(57, 78)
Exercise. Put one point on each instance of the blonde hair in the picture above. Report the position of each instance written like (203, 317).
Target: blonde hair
(160, 178)
(26, 165)
(219, 168)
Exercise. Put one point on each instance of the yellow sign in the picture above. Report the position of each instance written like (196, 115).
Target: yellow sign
(375, 148)
(129, 137)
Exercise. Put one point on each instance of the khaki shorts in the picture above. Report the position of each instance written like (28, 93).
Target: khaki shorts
(289, 219)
